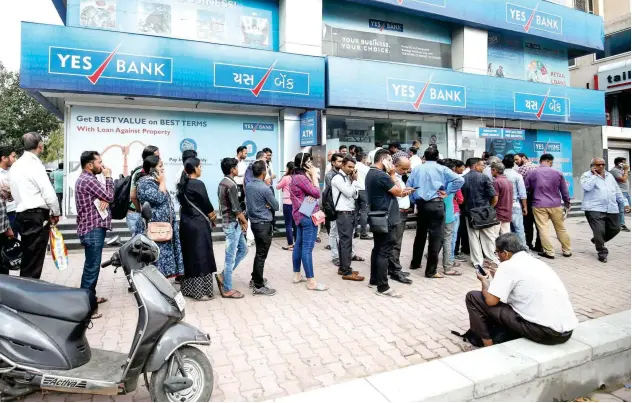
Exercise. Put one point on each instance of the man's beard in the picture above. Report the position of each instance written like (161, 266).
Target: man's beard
(96, 171)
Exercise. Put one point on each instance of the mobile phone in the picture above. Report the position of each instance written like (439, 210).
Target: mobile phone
(416, 187)
(480, 270)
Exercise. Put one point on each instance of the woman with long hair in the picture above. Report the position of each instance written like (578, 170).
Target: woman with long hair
(197, 215)
(304, 188)
(290, 227)
(152, 188)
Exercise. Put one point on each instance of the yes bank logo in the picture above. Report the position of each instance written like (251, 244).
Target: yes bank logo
(264, 127)
(532, 18)
(420, 93)
(97, 65)
(386, 25)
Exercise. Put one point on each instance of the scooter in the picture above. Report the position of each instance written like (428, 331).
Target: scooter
(43, 345)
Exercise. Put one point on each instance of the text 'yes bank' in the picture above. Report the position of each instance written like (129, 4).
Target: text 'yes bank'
(541, 104)
(261, 79)
(96, 65)
(420, 93)
(532, 18)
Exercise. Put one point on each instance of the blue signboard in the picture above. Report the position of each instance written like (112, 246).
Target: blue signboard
(397, 87)
(66, 59)
(541, 18)
(501, 133)
(309, 129)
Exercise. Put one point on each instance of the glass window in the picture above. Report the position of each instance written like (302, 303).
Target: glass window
(365, 132)
(571, 62)
(615, 44)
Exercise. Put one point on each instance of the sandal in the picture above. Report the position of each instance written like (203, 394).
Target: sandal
(319, 287)
(436, 275)
(234, 294)
(302, 280)
(220, 285)
(357, 258)
(452, 273)
(96, 315)
(101, 300)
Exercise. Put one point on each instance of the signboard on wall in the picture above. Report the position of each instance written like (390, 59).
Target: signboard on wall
(501, 133)
(532, 59)
(310, 128)
(536, 143)
(249, 23)
(614, 77)
(354, 31)
(120, 135)
(57, 58)
(398, 87)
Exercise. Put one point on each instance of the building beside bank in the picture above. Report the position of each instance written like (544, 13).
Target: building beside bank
(610, 71)
(212, 75)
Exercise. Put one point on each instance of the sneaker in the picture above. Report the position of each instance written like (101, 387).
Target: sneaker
(366, 237)
(264, 291)
(389, 293)
(372, 285)
(625, 229)
(252, 284)
(328, 247)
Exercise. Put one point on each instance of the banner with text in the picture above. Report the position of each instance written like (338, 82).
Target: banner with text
(120, 135)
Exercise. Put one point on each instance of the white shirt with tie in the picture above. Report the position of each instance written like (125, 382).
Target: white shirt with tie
(31, 187)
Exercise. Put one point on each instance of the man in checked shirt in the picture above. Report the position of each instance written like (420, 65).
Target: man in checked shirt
(93, 199)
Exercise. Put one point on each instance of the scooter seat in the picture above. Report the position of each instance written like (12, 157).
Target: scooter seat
(44, 299)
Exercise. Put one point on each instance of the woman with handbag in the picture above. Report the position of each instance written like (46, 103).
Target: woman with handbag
(304, 193)
(197, 216)
(163, 227)
(290, 227)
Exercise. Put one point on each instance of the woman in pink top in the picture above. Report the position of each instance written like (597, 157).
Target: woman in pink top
(290, 227)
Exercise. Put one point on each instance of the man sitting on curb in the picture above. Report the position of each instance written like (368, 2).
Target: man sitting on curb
(525, 297)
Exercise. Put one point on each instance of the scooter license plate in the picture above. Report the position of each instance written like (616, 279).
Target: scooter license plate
(179, 298)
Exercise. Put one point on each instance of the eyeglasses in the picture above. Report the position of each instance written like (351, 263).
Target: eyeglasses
(599, 165)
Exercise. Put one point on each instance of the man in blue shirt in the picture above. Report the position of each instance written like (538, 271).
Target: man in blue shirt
(433, 182)
(602, 196)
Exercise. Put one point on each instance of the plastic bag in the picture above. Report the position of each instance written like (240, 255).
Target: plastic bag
(58, 249)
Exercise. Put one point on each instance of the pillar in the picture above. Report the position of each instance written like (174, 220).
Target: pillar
(301, 26)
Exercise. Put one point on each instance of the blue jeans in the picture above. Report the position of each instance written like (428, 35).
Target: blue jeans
(455, 233)
(131, 220)
(622, 208)
(236, 251)
(290, 227)
(517, 224)
(93, 248)
(306, 233)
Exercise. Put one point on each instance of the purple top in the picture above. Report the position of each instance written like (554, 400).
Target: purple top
(547, 184)
(300, 188)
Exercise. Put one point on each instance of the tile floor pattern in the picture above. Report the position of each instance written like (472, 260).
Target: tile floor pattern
(298, 340)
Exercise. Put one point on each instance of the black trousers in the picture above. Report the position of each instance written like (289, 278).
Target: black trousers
(263, 240)
(529, 224)
(462, 238)
(382, 248)
(430, 222)
(483, 316)
(604, 227)
(34, 228)
(394, 265)
(362, 211)
(60, 200)
(345, 223)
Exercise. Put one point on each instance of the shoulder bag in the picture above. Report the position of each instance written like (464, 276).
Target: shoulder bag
(378, 220)
(161, 231)
(482, 217)
(307, 206)
(210, 223)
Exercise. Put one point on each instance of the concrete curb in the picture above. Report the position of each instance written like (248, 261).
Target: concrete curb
(598, 353)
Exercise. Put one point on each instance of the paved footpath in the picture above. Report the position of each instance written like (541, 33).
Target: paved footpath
(298, 340)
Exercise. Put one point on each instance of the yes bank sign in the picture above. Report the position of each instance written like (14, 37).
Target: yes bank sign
(420, 93)
(530, 18)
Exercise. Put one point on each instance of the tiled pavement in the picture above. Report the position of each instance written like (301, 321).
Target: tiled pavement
(266, 347)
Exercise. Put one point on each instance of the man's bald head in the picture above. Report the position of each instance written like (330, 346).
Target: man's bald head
(402, 165)
(598, 165)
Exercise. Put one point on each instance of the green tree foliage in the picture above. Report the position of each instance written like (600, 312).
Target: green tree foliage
(20, 113)
(54, 147)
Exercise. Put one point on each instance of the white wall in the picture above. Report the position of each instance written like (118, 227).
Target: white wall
(469, 50)
(301, 24)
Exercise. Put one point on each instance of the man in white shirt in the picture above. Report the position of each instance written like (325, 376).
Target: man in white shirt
(344, 194)
(402, 165)
(525, 298)
(414, 158)
(362, 202)
(242, 154)
(378, 147)
(36, 204)
(7, 159)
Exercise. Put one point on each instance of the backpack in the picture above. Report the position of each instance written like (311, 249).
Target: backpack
(122, 199)
(329, 207)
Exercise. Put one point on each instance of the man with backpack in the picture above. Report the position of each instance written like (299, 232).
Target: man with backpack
(329, 207)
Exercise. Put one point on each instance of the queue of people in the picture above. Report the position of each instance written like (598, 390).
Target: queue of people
(482, 207)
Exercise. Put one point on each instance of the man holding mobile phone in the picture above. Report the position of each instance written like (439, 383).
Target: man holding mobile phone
(621, 172)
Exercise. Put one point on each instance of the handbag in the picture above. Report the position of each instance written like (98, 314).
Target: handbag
(307, 206)
(161, 231)
(378, 220)
(482, 217)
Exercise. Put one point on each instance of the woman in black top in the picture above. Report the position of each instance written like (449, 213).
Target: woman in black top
(196, 215)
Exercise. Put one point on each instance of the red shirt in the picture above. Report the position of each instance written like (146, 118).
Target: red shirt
(458, 199)
(504, 191)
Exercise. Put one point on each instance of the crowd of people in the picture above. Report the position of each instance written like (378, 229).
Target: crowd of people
(486, 208)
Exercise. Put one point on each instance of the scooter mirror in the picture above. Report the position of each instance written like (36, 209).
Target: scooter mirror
(145, 212)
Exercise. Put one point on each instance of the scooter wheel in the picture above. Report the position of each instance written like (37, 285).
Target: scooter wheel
(198, 369)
